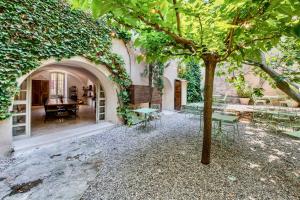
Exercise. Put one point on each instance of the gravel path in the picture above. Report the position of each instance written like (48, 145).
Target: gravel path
(164, 163)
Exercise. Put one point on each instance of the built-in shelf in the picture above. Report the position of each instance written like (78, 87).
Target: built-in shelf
(18, 125)
(18, 114)
(19, 102)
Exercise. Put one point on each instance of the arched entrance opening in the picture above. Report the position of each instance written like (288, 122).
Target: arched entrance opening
(63, 95)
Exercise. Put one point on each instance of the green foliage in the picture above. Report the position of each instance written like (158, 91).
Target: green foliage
(243, 90)
(152, 44)
(286, 59)
(258, 92)
(192, 73)
(224, 27)
(157, 74)
(36, 30)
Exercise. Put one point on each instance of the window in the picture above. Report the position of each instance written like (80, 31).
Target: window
(57, 84)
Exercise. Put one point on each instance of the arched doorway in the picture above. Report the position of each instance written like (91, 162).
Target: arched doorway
(104, 91)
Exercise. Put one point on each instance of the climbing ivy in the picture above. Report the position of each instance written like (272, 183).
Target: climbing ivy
(191, 72)
(36, 30)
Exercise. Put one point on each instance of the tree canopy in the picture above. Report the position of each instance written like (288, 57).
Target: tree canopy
(213, 30)
(196, 27)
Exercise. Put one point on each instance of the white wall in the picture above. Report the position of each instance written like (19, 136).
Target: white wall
(5, 137)
(221, 87)
(168, 95)
(73, 81)
(136, 69)
(170, 75)
(183, 92)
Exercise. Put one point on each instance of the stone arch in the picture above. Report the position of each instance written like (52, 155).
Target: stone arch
(99, 71)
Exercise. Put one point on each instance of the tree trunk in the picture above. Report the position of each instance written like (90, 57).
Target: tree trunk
(282, 84)
(210, 61)
(150, 84)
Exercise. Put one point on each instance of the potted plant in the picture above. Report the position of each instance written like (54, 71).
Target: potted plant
(291, 103)
(244, 93)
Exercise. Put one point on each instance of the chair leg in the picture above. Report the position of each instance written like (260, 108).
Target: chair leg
(200, 122)
(234, 129)
(237, 129)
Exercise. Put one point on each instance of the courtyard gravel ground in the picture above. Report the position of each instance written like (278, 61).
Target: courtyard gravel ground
(162, 163)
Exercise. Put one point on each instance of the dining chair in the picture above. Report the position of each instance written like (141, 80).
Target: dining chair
(74, 109)
(49, 111)
(62, 112)
(156, 115)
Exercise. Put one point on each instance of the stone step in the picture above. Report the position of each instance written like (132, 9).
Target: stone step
(37, 141)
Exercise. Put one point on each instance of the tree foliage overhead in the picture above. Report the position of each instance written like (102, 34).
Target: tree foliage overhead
(285, 59)
(196, 27)
(36, 30)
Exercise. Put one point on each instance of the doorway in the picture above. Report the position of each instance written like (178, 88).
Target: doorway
(78, 86)
(177, 95)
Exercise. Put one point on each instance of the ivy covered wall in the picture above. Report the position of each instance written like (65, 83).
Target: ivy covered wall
(36, 30)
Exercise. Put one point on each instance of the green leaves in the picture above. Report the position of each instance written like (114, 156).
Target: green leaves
(192, 73)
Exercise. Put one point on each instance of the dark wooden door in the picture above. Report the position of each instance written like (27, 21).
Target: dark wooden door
(177, 96)
(40, 92)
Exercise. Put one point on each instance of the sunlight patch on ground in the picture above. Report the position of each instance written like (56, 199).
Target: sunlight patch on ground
(272, 158)
(260, 143)
(278, 152)
(254, 165)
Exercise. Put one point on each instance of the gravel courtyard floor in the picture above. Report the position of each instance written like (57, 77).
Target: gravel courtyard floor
(162, 163)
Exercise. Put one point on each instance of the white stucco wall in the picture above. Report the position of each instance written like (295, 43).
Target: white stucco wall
(221, 87)
(135, 69)
(183, 92)
(170, 75)
(5, 137)
(168, 95)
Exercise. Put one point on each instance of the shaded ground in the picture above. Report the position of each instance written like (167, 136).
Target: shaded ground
(163, 163)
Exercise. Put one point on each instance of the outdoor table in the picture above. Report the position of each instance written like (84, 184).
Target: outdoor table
(223, 118)
(146, 112)
(281, 113)
(294, 134)
(201, 105)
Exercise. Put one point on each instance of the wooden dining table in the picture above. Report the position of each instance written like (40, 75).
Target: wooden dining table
(60, 108)
(60, 102)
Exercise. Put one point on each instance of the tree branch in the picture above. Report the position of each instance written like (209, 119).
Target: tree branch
(240, 46)
(201, 31)
(160, 14)
(189, 44)
(177, 17)
(282, 84)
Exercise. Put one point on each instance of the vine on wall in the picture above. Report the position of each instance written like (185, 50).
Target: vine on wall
(36, 30)
(192, 73)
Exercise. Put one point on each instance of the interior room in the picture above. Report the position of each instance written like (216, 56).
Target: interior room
(62, 98)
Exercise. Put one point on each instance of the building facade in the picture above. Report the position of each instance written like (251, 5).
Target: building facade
(92, 86)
